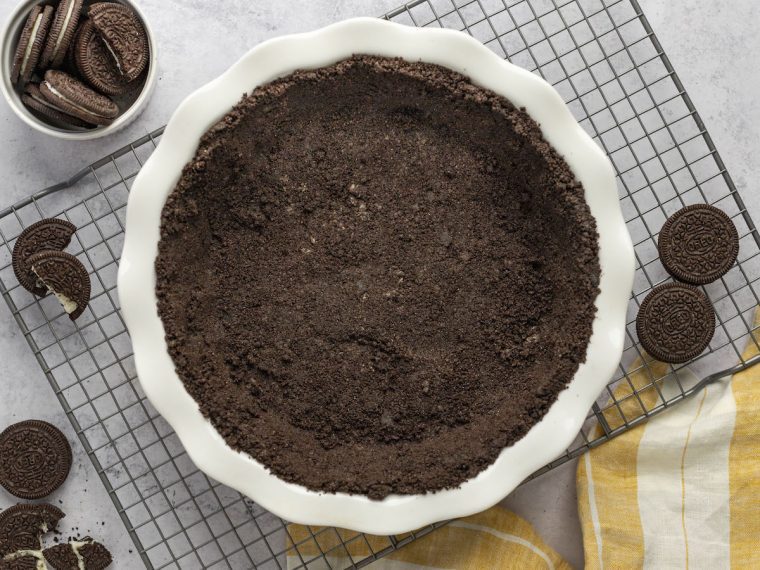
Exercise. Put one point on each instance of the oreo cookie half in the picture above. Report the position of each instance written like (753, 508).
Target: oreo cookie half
(95, 64)
(45, 235)
(698, 244)
(21, 526)
(66, 277)
(36, 459)
(675, 323)
(123, 36)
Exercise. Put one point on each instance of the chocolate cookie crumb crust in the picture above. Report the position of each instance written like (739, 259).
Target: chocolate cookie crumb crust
(375, 276)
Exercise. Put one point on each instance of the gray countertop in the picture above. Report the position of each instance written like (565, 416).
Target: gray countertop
(713, 46)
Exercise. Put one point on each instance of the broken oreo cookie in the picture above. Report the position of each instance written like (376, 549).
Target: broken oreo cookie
(51, 234)
(85, 554)
(66, 277)
(22, 526)
(675, 323)
(36, 458)
(698, 244)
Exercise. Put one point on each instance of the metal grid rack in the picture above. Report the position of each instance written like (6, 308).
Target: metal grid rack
(605, 60)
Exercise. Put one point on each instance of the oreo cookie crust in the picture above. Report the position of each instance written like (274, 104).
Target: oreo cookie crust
(123, 36)
(61, 33)
(85, 554)
(675, 323)
(74, 98)
(46, 235)
(95, 64)
(698, 244)
(31, 43)
(66, 277)
(21, 526)
(36, 459)
(419, 266)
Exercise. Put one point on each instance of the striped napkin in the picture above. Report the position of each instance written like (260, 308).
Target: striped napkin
(680, 491)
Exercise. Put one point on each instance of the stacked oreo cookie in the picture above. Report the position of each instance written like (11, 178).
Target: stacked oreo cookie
(41, 266)
(697, 245)
(79, 65)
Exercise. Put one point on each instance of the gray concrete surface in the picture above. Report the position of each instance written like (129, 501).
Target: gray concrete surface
(713, 45)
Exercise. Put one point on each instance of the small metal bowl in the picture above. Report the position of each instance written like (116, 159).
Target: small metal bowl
(133, 103)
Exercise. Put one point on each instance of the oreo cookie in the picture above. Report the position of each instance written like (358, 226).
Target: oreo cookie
(66, 277)
(48, 112)
(61, 33)
(45, 235)
(22, 526)
(698, 244)
(74, 98)
(36, 459)
(123, 36)
(675, 323)
(95, 64)
(77, 555)
(31, 43)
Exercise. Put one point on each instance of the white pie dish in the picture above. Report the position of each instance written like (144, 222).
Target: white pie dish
(544, 442)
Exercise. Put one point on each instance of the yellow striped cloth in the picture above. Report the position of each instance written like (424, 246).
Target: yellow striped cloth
(683, 490)
(680, 491)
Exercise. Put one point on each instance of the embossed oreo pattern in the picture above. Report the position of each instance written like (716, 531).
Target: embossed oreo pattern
(64, 274)
(49, 234)
(21, 526)
(96, 556)
(698, 244)
(36, 458)
(675, 323)
(61, 556)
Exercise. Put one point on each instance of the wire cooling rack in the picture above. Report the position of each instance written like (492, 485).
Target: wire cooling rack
(605, 60)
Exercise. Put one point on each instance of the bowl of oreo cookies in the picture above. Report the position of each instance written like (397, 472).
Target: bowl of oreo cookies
(76, 69)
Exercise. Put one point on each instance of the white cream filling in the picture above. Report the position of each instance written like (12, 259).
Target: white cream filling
(68, 304)
(75, 546)
(41, 565)
(30, 44)
(45, 102)
(60, 95)
(62, 33)
(113, 56)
